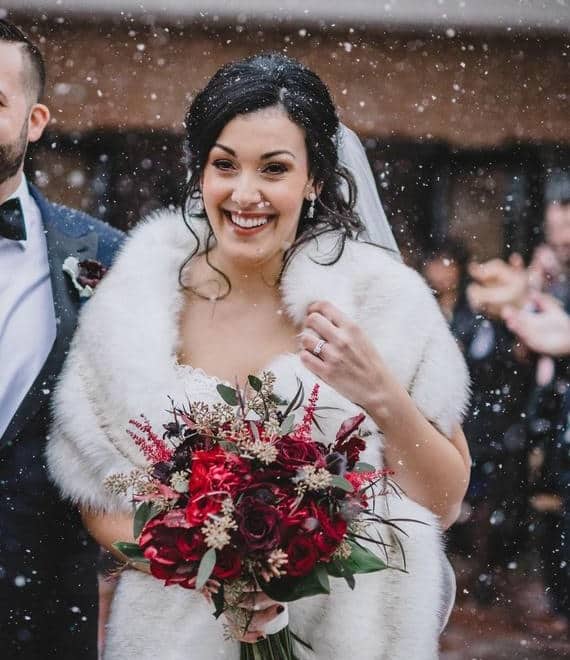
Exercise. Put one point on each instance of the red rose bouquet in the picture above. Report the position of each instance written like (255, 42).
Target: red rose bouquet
(242, 499)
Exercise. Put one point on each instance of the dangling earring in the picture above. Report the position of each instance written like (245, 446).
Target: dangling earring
(311, 209)
(198, 203)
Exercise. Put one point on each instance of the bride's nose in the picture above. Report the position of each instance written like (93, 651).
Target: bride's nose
(245, 195)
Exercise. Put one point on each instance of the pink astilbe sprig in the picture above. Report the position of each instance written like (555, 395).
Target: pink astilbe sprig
(360, 479)
(303, 431)
(151, 444)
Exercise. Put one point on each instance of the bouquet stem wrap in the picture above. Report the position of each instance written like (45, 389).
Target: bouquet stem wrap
(273, 647)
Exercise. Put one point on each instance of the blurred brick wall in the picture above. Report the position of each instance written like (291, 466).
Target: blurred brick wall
(468, 91)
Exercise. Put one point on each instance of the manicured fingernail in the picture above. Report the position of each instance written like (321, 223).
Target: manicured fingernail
(280, 609)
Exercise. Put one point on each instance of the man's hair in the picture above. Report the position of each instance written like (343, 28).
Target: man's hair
(35, 76)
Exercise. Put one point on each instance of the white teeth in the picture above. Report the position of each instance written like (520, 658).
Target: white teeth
(248, 223)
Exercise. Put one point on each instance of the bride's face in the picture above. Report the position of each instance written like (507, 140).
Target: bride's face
(254, 183)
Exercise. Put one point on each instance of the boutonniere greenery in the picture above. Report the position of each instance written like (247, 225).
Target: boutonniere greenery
(85, 275)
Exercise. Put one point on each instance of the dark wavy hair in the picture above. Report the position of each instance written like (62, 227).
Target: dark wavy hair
(263, 81)
(35, 75)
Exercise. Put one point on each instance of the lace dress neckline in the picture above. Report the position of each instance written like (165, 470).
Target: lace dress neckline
(187, 370)
(197, 373)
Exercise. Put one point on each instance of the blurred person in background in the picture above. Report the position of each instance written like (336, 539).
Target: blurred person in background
(488, 532)
(509, 291)
(545, 330)
(48, 588)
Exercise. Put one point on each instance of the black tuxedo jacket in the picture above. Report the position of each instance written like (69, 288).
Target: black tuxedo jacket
(48, 587)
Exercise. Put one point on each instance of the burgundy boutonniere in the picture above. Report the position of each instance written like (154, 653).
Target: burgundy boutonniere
(85, 275)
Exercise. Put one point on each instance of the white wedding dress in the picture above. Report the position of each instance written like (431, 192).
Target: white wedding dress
(122, 363)
(197, 640)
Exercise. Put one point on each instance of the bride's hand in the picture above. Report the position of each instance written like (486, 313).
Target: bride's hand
(339, 352)
(258, 611)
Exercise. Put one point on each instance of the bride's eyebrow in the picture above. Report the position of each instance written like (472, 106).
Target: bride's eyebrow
(269, 154)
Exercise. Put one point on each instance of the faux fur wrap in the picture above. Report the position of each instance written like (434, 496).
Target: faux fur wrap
(123, 362)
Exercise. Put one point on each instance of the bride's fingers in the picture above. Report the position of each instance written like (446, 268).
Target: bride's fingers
(256, 601)
(321, 326)
(260, 619)
(213, 586)
(329, 311)
(251, 637)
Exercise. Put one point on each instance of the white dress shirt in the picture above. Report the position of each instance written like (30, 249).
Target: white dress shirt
(27, 315)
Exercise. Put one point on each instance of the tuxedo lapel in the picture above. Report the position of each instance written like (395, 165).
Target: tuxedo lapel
(60, 245)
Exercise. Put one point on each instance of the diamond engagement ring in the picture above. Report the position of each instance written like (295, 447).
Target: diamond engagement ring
(319, 347)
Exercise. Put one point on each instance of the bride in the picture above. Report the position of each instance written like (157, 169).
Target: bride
(263, 270)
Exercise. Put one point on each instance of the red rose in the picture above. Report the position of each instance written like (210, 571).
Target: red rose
(174, 550)
(295, 454)
(200, 508)
(190, 545)
(347, 443)
(302, 556)
(351, 448)
(258, 524)
(231, 475)
(292, 516)
(200, 483)
(215, 470)
(228, 564)
(329, 533)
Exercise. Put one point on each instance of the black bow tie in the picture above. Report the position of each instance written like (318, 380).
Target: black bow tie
(12, 225)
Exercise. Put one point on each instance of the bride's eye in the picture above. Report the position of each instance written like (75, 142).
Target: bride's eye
(275, 168)
(223, 164)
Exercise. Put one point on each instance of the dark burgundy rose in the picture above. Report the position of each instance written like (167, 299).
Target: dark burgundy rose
(91, 272)
(190, 545)
(228, 564)
(348, 427)
(349, 444)
(295, 454)
(352, 448)
(302, 556)
(264, 494)
(258, 524)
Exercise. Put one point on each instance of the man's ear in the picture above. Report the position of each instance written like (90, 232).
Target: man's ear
(37, 121)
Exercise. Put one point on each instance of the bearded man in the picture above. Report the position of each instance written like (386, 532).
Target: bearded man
(48, 592)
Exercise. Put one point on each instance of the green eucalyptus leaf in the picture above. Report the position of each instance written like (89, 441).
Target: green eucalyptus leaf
(342, 483)
(350, 581)
(278, 400)
(287, 589)
(335, 568)
(145, 511)
(363, 467)
(255, 383)
(205, 568)
(132, 551)
(229, 446)
(362, 560)
(323, 577)
(287, 425)
(228, 394)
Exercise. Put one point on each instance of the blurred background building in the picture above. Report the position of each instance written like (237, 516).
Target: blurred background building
(462, 104)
